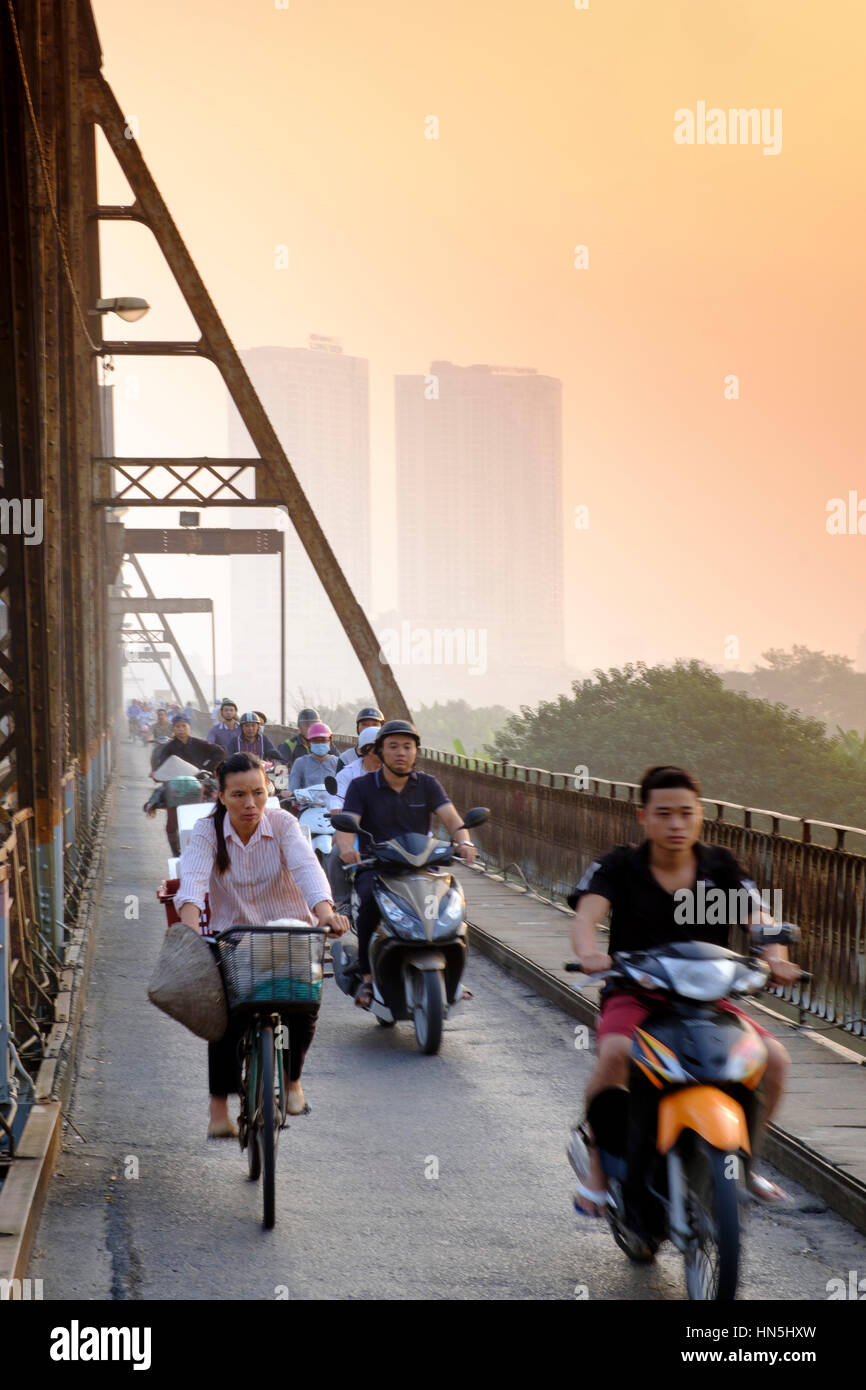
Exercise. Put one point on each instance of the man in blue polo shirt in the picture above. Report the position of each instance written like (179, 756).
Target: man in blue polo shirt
(394, 800)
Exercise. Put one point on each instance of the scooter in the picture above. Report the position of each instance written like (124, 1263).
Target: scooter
(418, 950)
(674, 1143)
(313, 807)
(278, 775)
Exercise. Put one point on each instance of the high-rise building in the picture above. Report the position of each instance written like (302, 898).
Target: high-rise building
(479, 486)
(317, 399)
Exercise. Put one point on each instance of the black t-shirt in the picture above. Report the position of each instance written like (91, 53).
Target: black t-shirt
(644, 914)
(197, 751)
(385, 813)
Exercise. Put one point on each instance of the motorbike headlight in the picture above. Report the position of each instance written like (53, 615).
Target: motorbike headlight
(450, 909)
(702, 979)
(402, 921)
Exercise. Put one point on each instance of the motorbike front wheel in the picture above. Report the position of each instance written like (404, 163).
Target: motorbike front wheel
(713, 1255)
(428, 1010)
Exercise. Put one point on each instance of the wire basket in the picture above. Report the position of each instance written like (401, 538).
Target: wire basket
(277, 967)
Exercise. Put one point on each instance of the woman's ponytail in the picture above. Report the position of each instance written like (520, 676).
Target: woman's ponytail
(222, 854)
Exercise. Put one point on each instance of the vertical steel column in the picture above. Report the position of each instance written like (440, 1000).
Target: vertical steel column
(83, 578)
(5, 1054)
(55, 326)
(31, 414)
(282, 629)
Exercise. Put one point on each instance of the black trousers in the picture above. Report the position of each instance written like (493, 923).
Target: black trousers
(341, 886)
(223, 1060)
(367, 918)
(171, 830)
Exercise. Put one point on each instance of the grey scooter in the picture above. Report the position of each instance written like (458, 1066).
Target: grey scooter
(418, 950)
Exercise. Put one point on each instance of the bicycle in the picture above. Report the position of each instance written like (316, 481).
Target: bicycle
(268, 972)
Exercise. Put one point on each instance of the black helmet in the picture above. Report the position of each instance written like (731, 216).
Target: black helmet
(396, 726)
(370, 712)
(308, 716)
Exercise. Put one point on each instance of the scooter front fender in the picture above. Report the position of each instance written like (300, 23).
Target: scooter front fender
(716, 1117)
(425, 960)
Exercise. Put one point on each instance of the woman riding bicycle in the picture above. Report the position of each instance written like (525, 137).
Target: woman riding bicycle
(256, 866)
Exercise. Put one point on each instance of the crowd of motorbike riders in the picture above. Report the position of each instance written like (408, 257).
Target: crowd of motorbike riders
(636, 883)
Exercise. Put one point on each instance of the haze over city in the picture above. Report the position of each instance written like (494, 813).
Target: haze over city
(706, 336)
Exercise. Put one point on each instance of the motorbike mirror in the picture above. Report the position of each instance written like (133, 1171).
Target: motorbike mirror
(340, 821)
(331, 785)
(477, 816)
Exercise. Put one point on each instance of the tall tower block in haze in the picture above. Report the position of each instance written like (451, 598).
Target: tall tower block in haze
(318, 401)
(479, 486)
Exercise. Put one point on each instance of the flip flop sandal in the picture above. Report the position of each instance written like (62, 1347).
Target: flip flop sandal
(763, 1190)
(601, 1199)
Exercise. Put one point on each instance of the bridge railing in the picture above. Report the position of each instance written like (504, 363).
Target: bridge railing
(30, 938)
(552, 825)
(553, 829)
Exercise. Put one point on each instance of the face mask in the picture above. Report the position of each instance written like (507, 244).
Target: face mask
(319, 748)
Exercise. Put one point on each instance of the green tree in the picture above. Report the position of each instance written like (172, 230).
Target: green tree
(742, 749)
(825, 687)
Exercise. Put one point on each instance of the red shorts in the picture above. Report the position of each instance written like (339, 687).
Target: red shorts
(622, 1013)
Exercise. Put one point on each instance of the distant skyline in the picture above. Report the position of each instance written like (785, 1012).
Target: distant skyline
(708, 334)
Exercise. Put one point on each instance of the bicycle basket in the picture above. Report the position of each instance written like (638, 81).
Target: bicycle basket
(275, 967)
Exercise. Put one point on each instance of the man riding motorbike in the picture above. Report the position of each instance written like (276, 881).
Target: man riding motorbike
(294, 748)
(227, 726)
(391, 801)
(249, 738)
(198, 752)
(643, 889)
(367, 718)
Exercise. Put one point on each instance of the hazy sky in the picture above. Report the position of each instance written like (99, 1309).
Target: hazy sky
(305, 127)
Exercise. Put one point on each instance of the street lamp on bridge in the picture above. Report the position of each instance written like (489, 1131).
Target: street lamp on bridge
(126, 307)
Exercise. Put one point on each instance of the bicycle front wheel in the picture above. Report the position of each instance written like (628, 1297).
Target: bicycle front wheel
(250, 1116)
(270, 1122)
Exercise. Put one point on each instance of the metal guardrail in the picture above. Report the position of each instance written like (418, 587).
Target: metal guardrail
(30, 966)
(553, 828)
(554, 831)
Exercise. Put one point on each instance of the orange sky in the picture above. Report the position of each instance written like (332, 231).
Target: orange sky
(305, 126)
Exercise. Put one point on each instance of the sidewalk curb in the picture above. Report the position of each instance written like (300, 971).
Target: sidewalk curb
(842, 1192)
(22, 1197)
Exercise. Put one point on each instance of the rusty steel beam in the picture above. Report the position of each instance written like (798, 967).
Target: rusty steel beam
(102, 107)
(19, 401)
(85, 572)
(117, 212)
(156, 348)
(206, 462)
(188, 503)
(205, 540)
(138, 605)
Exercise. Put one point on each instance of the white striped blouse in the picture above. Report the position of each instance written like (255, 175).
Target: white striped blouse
(275, 874)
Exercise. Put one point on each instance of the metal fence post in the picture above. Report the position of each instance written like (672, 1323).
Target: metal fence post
(48, 865)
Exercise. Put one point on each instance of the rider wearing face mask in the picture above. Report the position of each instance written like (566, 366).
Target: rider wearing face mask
(321, 761)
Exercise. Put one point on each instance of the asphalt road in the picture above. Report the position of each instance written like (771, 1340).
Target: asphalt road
(148, 1208)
